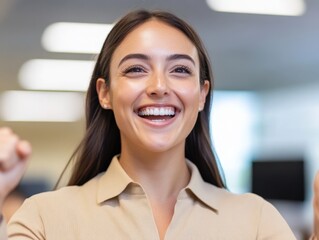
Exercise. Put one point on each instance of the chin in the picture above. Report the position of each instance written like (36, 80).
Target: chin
(162, 146)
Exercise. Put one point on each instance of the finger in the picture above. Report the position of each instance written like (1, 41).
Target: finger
(316, 184)
(11, 157)
(10, 179)
(8, 152)
(316, 191)
(23, 149)
(15, 174)
(316, 205)
(5, 130)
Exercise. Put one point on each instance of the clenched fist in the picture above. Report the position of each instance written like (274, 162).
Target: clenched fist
(316, 207)
(14, 154)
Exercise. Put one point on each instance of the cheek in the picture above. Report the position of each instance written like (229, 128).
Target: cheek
(190, 94)
(123, 96)
(123, 91)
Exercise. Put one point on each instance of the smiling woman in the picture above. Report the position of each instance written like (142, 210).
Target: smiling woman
(145, 168)
(157, 75)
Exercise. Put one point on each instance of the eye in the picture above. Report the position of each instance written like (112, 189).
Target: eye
(182, 70)
(134, 70)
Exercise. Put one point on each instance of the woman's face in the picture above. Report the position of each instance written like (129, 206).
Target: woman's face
(154, 90)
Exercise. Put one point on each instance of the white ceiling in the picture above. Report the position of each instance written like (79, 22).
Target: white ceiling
(248, 52)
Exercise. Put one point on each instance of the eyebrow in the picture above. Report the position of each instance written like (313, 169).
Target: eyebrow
(147, 58)
(134, 56)
(180, 56)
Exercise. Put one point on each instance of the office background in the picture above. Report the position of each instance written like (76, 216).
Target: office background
(266, 100)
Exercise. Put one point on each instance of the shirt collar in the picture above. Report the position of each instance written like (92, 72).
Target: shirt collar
(205, 192)
(115, 180)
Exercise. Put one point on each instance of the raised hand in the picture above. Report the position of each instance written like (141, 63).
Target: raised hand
(14, 154)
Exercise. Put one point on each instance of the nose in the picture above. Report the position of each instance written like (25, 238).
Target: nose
(157, 85)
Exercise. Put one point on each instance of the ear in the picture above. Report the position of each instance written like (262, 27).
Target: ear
(204, 89)
(103, 92)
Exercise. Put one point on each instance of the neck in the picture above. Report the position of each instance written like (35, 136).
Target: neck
(162, 175)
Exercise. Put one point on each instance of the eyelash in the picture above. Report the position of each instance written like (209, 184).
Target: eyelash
(134, 69)
(184, 69)
(181, 69)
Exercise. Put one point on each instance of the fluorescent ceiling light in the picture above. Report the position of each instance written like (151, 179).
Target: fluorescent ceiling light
(31, 106)
(271, 7)
(75, 37)
(46, 74)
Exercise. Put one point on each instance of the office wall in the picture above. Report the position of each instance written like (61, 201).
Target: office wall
(289, 126)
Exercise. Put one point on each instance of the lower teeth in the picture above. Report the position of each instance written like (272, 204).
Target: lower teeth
(158, 120)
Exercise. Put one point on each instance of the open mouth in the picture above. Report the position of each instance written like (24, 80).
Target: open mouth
(157, 114)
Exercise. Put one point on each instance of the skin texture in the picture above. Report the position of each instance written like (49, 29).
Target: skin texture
(14, 154)
(11, 204)
(165, 73)
(162, 70)
(155, 81)
(316, 206)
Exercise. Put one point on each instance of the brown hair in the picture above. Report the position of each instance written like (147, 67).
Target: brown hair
(102, 138)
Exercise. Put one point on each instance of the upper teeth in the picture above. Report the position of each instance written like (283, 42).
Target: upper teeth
(157, 111)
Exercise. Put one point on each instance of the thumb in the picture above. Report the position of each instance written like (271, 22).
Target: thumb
(316, 205)
(23, 149)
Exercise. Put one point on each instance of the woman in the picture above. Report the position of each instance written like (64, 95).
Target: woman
(145, 168)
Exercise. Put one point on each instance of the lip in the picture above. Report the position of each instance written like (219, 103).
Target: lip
(163, 123)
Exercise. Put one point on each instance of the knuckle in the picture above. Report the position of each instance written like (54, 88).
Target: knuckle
(5, 130)
(4, 157)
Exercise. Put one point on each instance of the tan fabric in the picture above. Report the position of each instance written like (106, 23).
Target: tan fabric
(111, 206)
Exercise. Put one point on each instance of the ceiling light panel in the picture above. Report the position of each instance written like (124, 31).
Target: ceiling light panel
(33, 106)
(61, 75)
(270, 7)
(75, 37)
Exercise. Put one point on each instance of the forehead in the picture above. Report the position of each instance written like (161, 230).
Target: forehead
(156, 38)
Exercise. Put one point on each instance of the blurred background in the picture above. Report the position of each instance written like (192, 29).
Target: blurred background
(265, 59)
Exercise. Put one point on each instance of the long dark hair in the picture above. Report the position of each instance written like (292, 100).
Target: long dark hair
(102, 137)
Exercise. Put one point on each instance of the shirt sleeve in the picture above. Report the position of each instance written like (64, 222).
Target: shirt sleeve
(272, 226)
(26, 223)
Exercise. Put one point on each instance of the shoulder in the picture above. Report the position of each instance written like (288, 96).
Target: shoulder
(65, 198)
(44, 211)
(222, 198)
(251, 210)
(247, 206)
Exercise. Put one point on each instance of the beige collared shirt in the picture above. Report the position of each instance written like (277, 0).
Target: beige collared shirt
(111, 206)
